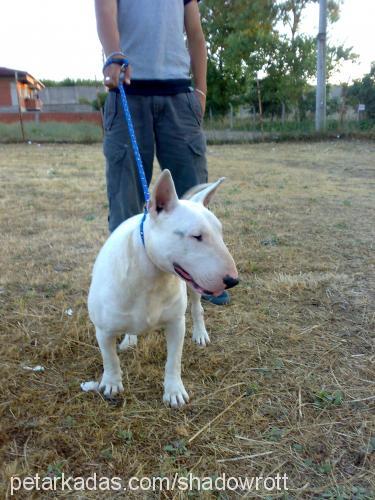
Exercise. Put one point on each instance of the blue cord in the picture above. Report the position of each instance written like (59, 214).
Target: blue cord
(124, 63)
(133, 139)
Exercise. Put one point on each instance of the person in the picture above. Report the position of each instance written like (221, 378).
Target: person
(167, 112)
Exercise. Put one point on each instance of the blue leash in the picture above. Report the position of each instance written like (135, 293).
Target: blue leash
(138, 158)
(124, 63)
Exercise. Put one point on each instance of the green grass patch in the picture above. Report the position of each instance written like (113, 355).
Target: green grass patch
(84, 132)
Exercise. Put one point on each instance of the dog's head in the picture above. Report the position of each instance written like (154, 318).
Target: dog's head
(183, 237)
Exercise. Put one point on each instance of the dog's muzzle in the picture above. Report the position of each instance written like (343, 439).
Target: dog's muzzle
(230, 282)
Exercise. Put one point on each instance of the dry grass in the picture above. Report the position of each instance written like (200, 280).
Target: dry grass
(294, 350)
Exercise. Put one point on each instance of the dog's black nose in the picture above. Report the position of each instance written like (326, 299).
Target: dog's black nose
(230, 282)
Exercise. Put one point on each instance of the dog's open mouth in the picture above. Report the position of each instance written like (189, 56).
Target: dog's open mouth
(189, 280)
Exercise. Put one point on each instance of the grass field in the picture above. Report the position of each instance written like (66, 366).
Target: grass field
(218, 131)
(52, 132)
(286, 385)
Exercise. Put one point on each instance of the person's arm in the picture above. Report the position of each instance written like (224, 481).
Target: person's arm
(107, 27)
(197, 49)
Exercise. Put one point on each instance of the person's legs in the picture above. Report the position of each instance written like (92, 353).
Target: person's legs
(180, 141)
(124, 191)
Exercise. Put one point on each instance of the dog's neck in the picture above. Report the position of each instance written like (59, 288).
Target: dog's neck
(139, 248)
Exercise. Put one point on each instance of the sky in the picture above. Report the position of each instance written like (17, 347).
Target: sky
(54, 40)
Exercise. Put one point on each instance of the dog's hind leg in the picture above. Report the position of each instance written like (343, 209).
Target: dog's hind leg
(111, 383)
(175, 394)
(200, 335)
(128, 342)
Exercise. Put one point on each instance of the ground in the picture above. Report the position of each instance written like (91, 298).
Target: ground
(286, 385)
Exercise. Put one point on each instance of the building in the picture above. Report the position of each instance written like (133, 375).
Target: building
(39, 104)
(19, 88)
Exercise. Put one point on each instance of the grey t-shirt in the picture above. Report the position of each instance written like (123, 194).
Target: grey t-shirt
(152, 37)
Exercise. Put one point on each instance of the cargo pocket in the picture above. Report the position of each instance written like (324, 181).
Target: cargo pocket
(197, 144)
(198, 162)
(115, 154)
(110, 110)
(195, 106)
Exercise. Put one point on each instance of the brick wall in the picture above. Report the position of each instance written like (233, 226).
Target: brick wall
(93, 117)
(5, 95)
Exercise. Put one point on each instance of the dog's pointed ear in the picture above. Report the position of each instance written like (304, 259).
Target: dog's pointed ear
(205, 195)
(164, 196)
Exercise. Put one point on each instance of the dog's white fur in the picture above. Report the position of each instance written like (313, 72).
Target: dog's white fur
(136, 288)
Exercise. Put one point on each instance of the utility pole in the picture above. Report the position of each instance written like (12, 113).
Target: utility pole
(260, 104)
(19, 106)
(320, 107)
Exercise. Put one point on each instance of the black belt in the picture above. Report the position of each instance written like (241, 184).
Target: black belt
(157, 87)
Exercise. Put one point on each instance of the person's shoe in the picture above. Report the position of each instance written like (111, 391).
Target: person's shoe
(221, 300)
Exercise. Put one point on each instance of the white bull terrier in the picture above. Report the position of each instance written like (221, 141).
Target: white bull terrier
(137, 287)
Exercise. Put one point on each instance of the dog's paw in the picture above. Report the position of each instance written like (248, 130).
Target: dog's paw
(111, 386)
(128, 342)
(201, 338)
(175, 394)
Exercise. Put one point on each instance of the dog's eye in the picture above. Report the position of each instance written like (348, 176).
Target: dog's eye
(198, 238)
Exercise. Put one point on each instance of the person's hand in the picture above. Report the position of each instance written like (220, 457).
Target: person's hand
(112, 75)
(202, 99)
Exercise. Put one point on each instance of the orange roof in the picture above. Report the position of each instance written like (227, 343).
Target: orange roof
(22, 76)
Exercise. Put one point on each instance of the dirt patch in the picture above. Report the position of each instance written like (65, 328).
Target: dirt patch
(287, 384)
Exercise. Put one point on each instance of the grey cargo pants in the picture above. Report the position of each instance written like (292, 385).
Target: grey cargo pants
(172, 125)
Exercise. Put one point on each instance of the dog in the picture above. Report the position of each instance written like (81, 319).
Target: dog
(138, 286)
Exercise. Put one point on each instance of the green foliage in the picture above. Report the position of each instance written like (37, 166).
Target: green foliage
(252, 389)
(275, 434)
(237, 34)
(125, 436)
(363, 92)
(325, 399)
(325, 468)
(299, 448)
(336, 55)
(106, 454)
(98, 103)
(70, 82)
(178, 447)
(69, 422)
(371, 445)
(84, 100)
(342, 493)
(244, 41)
(56, 469)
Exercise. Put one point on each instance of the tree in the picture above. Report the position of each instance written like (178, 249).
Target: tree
(70, 82)
(237, 34)
(295, 55)
(363, 92)
(245, 40)
(291, 68)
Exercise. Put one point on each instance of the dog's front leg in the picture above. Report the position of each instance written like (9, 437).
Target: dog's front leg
(200, 335)
(111, 383)
(175, 394)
